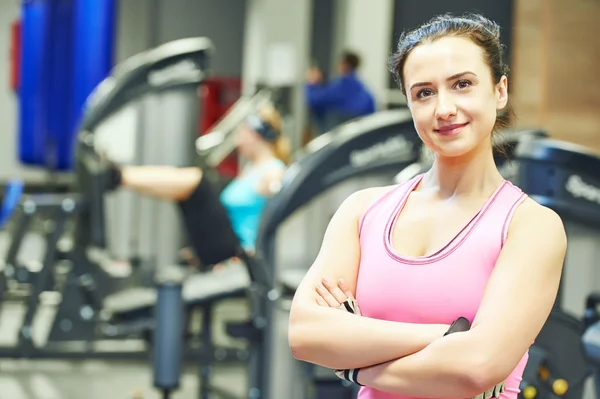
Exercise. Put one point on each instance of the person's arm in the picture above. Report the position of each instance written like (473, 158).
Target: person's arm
(270, 182)
(341, 340)
(517, 301)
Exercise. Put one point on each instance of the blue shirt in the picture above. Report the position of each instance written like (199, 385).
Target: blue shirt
(345, 95)
(244, 204)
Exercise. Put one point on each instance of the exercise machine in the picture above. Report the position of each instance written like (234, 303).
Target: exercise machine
(591, 338)
(365, 152)
(145, 112)
(563, 177)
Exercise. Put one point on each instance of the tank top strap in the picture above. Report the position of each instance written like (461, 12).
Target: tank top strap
(503, 209)
(378, 213)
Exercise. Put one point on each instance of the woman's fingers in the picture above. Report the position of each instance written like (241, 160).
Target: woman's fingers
(334, 290)
(322, 302)
(327, 297)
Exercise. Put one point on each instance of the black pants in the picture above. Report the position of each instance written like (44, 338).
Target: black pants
(208, 226)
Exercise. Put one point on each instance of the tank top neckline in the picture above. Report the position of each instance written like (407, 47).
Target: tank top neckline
(454, 243)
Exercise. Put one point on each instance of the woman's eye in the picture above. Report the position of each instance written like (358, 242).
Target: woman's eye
(424, 93)
(463, 84)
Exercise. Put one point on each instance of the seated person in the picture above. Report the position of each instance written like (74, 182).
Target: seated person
(265, 152)
(341, 99)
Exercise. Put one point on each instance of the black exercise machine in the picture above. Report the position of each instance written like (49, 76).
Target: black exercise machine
(376, 146)
(564, 177)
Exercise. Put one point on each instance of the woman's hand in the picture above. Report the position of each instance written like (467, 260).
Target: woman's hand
(337, 295)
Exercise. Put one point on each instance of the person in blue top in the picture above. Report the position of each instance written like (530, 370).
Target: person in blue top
(342, 98)
(265, 152)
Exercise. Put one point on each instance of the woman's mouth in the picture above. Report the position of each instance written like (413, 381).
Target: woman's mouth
(451, 130)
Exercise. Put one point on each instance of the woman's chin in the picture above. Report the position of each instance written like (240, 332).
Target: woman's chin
(453, 150)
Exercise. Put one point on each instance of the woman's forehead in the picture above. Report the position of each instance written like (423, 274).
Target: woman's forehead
(442, 59)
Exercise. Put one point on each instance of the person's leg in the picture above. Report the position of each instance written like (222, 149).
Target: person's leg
(209, 228)
(165, 182)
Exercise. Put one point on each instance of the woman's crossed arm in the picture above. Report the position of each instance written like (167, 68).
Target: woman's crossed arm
(340, 340)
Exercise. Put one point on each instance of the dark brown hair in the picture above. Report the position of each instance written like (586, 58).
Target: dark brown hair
(480, 30)
(351, 59)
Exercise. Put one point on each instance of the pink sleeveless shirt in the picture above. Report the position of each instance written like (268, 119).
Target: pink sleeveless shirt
(437, 288)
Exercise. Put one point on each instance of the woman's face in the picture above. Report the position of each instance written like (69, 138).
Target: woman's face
(452, 96)
(247, 140)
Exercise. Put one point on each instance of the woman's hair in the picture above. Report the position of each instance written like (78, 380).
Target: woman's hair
(480, 30)
(270, 115)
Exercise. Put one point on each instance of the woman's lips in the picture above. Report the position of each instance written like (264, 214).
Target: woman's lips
(451, 130)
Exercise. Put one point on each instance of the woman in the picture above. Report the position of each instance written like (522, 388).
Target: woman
(455, 241)
(265, 151)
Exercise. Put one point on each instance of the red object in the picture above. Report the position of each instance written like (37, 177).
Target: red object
(15, 54)
(218, 95)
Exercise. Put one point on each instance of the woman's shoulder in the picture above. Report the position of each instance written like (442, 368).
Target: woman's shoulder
(362, 200)
(537, 219)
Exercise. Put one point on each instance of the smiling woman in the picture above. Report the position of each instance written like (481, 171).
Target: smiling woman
(400, 265)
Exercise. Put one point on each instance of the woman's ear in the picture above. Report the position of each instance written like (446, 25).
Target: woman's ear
(502, 93)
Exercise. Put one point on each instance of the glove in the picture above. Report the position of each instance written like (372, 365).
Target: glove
(460, 325)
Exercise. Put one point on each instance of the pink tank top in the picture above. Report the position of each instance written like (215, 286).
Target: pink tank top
(437, 288)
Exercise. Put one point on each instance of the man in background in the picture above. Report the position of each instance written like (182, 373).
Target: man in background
(339, 100)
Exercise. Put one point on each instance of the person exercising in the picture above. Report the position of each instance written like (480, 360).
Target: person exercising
(265, 151)
(405, 262)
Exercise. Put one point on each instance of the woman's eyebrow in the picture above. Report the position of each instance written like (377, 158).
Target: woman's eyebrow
(455, 76)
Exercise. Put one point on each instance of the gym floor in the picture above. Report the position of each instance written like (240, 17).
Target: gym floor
(100, 379)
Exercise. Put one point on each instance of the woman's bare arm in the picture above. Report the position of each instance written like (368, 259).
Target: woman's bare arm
(515, 306)
(340, 340)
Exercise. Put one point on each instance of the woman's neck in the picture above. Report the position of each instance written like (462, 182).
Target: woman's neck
(261, 156)
(473, 174)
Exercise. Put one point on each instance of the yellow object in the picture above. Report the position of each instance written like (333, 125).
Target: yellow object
(560, 387)
(529, 392)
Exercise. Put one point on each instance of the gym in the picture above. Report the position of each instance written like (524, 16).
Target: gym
(180, 178)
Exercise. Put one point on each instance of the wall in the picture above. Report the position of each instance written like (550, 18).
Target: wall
(221, 21)
(134, 32)
(143, 24)
(555, 68)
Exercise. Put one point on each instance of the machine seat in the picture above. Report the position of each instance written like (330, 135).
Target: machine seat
(199, 289)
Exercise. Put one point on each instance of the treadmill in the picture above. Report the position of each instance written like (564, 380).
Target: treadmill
(362, 153)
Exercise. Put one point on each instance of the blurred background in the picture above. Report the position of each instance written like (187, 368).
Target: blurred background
(169, 82)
